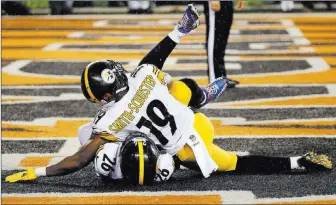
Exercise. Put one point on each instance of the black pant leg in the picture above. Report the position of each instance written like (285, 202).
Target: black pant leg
(158, 55)
(218, 30)
(206, 14)
(262, 164)
(197, 95)
(223, 24)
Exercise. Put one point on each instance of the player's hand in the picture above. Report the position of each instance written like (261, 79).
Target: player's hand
(22, 176)
(215, 6)
(240, 5)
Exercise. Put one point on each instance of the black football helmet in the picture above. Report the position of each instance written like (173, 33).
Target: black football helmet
(104, 81)
(139, 156)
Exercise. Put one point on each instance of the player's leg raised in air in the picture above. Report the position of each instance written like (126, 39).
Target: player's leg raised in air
(189, 93)
(186, 89)
(229, 161)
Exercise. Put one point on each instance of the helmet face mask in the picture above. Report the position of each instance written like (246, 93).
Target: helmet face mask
(103, 81)
(139, 156)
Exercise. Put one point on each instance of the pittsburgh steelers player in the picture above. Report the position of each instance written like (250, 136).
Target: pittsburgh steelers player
(148, 101)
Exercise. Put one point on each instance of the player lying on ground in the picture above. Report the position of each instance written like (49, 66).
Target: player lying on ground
(145, 102)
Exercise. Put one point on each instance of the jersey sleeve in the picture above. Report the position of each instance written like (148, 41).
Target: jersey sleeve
(103, 134)
(152, 70)
(99, 130)
(165, 167)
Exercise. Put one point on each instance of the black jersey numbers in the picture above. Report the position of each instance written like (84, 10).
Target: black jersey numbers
(107, 164)
(157, 120)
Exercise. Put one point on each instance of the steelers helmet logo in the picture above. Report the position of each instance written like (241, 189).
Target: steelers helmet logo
(108, 76)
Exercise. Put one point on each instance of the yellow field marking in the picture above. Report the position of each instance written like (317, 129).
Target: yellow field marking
(318, 48)
(320, 35)
(325, 40)
(325, 49)
(302, 78)
(23, 33)
(182, 67)
(322, 122)
(29, 42)
(310, 17)
(168, 199)
(82, 25)
(304, 202)
(62, 128)
(35, 162)
(11, 79)
(307, 123)
(198, 35)
(297, 101)
(323, 77)
(318, 28)
(35, 54)
(15, 99)
(330, 60)
(46, 24)
(257, 130)
(88, 23)
(9, 33)
(299, 20)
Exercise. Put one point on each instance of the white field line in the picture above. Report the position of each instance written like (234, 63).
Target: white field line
(243, 121)
(14, 69)
(40, 86)
(48, 121)
(238, 16)
(264, 100)
(38, 99)
(317, 65)
(272, 136)
(296, 199)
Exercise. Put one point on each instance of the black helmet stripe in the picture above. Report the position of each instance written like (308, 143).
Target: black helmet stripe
(87, 86)
(141, 163)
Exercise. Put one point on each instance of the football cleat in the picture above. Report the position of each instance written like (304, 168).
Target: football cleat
(315, 162)
(189, 21)
(214, 90)
(232, 83)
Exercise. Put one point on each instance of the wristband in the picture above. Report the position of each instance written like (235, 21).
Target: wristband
(41, 172)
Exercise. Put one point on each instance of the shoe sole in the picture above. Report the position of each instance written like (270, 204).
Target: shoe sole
(322, 160)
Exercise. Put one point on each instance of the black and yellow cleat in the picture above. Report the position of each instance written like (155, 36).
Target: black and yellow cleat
(315, 162)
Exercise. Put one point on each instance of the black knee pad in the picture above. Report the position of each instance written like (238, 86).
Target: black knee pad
(197, 95)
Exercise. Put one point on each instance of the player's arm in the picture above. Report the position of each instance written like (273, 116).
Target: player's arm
(67, 166)
(77, 161)
(158, 55)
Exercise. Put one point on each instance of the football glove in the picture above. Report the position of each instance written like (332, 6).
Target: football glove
(22, 176)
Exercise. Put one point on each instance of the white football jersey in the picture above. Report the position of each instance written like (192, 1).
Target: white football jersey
(108, 159)
(148, 107)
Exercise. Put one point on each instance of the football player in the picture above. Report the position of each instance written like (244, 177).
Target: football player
(147, 101)
(120, 160)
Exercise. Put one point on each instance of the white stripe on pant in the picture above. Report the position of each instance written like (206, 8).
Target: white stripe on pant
(211, 42)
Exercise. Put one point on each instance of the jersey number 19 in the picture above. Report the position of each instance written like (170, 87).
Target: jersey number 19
(157, 120)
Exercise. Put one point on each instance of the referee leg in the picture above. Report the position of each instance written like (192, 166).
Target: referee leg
(218, 30)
